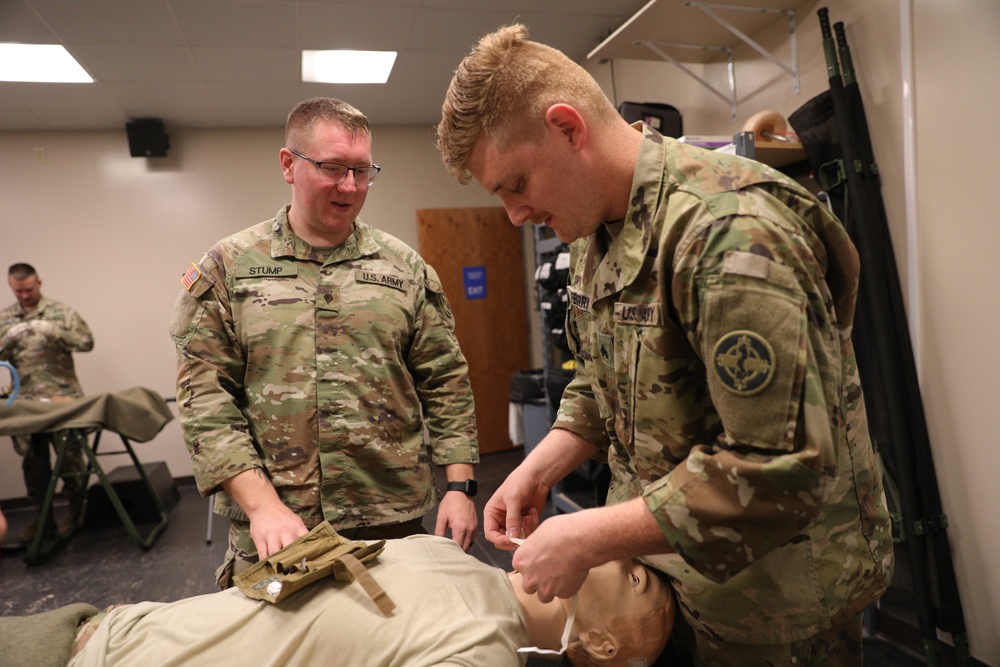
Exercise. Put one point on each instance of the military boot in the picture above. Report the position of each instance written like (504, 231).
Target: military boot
(74, 516)
(28, 534)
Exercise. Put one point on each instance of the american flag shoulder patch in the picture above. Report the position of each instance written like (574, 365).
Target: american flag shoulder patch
(191, 276)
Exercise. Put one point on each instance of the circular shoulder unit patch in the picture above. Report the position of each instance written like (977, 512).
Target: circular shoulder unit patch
(744, 362)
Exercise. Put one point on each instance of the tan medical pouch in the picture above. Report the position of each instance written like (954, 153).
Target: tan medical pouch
(320, 553)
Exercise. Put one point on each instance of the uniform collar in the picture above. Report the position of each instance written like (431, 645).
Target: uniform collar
(284, 242)
(42, 303)
(613, 261)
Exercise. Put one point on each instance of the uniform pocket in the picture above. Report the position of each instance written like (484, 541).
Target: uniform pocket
(668, 407)
(187, 311)
(754, 345)
(775, 601)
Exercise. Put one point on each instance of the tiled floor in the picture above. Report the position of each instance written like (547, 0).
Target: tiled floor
(105, 566)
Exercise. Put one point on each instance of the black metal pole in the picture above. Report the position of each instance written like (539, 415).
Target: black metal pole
(950, 617)
(879, 305)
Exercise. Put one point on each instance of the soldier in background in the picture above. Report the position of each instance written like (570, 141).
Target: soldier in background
(711, 304)
(38, 336)
(312, 351)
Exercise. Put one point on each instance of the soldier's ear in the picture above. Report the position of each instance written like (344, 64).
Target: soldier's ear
(568, 123)
(286, 159)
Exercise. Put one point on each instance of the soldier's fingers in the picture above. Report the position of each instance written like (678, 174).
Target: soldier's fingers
(530, 523)
(440, 525)
(467, 537)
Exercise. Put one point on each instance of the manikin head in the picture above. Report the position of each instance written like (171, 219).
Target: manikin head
(623, 610)
(24, 282)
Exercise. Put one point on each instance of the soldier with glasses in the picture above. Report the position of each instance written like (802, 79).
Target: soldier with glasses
(312, 351)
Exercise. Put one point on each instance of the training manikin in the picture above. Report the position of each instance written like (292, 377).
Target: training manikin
(448, 606)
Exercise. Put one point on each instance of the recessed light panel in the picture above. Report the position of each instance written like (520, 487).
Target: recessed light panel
(40, 63)
(344, 66)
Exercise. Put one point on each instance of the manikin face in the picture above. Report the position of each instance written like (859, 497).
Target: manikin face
(618, 588)
(540, 181)
(323, 212)
(28, 292)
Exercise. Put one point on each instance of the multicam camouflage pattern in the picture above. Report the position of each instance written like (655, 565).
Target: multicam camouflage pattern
(317, 369)
(41, 346)
(712, 329)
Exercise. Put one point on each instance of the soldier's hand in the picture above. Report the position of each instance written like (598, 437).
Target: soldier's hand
(515, 508)
(551, 561)
(274, 528)
(44, 327)
(457, 513)
(18, 331)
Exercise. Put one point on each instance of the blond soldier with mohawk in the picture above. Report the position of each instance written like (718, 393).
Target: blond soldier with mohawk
(711, 303)
(312, 351)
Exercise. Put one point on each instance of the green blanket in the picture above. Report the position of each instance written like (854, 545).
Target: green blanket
(41, 640)
(137, 413)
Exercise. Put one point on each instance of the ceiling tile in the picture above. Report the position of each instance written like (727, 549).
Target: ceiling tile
(236, 63)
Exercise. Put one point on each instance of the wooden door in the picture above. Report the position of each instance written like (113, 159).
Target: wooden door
(478, 255)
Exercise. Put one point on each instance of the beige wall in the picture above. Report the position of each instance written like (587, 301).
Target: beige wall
(957, 63)
(947, 254)
(110, 235)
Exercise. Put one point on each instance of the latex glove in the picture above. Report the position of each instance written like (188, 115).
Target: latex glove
(43, 327)
(18, 331)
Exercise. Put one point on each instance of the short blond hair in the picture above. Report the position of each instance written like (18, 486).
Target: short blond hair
(306, 114)
(502, 90)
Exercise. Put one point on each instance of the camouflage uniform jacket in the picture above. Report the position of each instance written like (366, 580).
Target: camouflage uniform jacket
(318, 372)
(44, 361)
(715, 365)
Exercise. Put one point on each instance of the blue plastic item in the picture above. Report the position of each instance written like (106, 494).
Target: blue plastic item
(17, 383)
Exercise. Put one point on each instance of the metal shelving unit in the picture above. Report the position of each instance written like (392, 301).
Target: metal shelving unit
(692, 31)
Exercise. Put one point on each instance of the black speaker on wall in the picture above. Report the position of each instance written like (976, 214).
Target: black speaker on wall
(146, 137)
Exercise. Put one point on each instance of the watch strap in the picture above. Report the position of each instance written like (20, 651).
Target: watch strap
(469, 487)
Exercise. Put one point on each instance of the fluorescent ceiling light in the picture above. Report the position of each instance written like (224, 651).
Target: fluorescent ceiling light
(347, 66)
(41, 63)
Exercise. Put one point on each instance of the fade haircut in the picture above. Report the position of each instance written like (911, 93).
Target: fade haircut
(21, 271)
(502, 89)
(306, 114)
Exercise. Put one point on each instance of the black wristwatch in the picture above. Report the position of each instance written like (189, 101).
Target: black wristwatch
(469, 487)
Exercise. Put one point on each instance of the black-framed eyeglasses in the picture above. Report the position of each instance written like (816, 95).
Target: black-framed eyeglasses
(338, 172)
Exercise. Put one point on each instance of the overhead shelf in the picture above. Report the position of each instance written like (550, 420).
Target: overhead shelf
(693, 31)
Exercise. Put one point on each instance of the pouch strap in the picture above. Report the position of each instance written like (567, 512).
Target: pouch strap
(364, 577)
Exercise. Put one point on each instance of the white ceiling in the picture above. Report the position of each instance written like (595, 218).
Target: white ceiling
(235, 63)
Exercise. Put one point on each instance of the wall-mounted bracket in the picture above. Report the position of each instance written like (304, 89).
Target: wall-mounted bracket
(792, 68)
(660, 26)
(655, 47)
